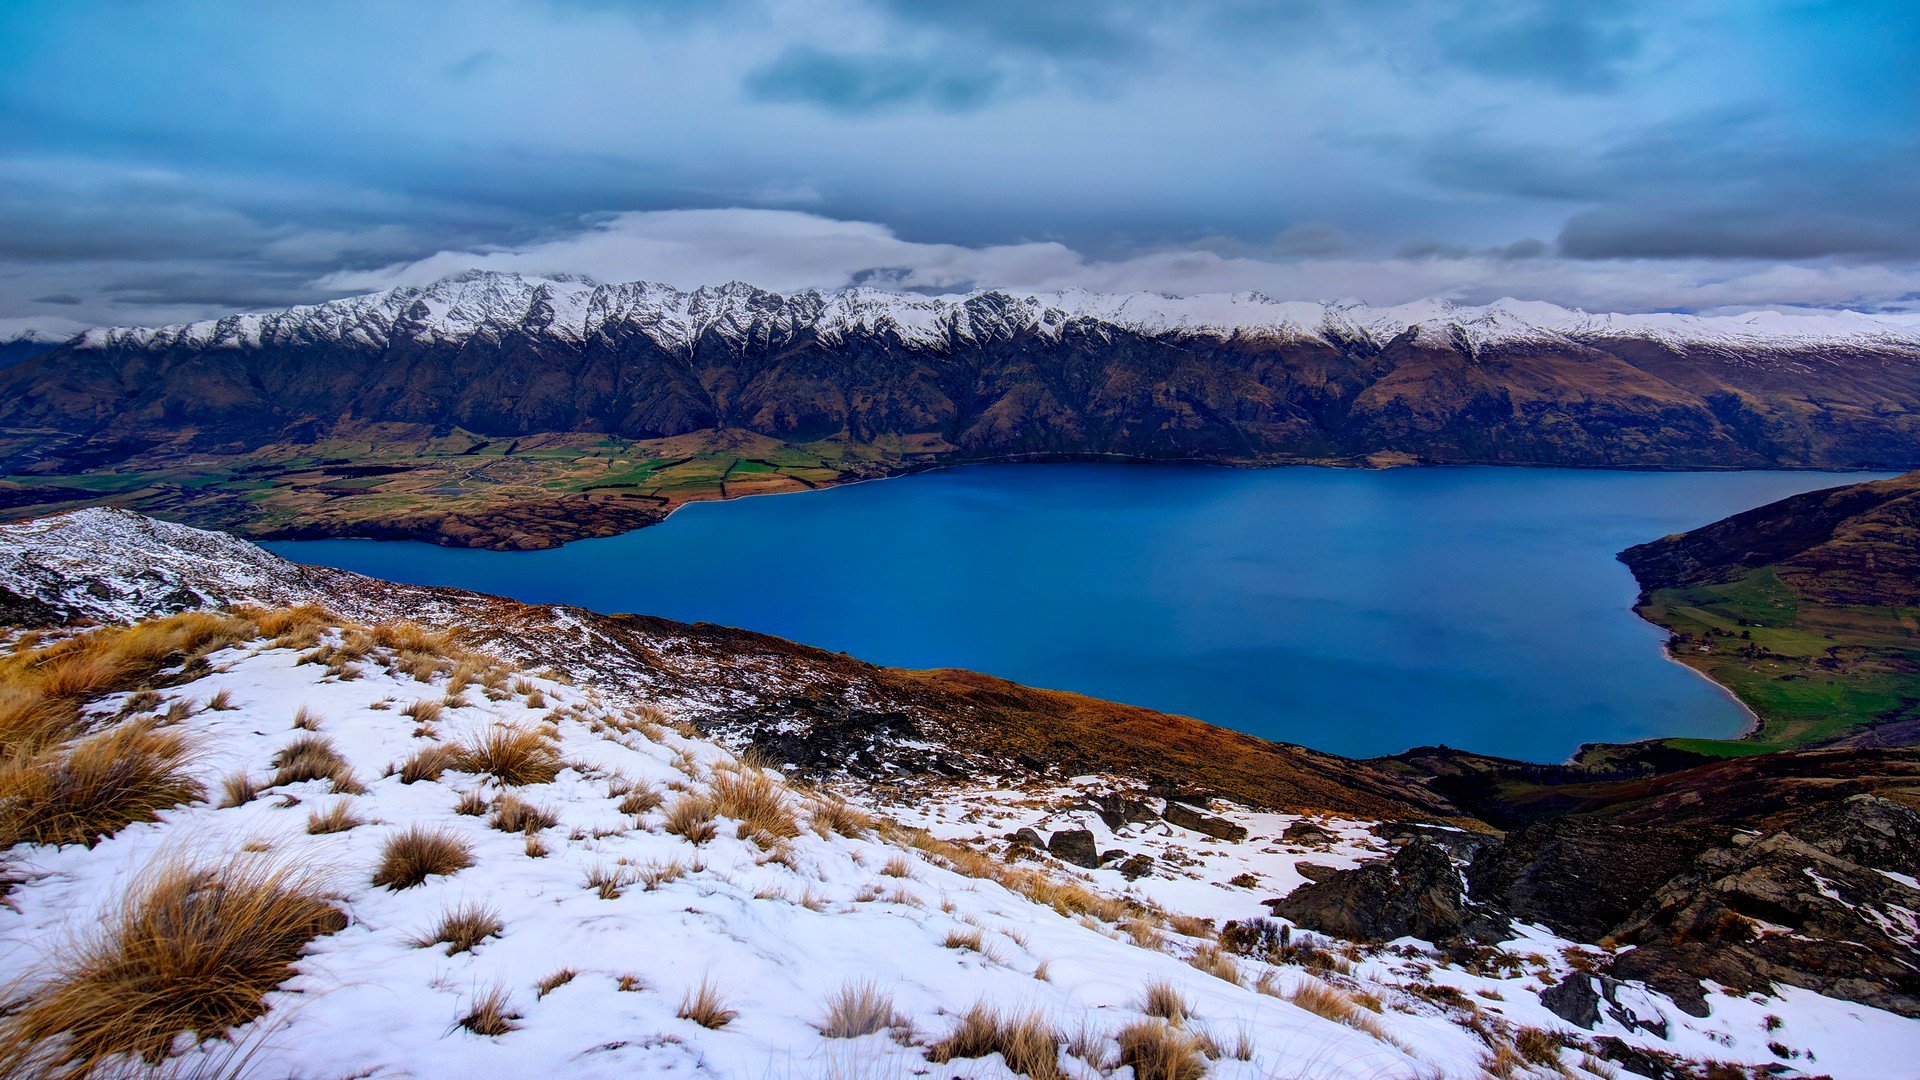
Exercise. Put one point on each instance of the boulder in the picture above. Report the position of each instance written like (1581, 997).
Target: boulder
(1574, 999)
(1118, 811)
(1314, 871)
(1416, 892)
(1074, 846)
(1308, 833)
(1188, 818)
(1027, 836)
(1134, 867)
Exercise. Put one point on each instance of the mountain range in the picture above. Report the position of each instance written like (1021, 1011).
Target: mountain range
(503, 410)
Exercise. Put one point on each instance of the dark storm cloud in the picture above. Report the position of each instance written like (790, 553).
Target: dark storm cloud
(1577, 45)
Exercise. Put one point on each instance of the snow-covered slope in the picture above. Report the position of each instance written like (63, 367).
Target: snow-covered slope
(573, 309)
(609, 917)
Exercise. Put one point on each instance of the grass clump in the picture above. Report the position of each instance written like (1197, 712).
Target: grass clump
(1335, 1004)
(314, 757)
(413, 856)
(691, 818)
(639, 799)
(463, 928)
(1166, 1002)
(491, 1014)
(1028, 1043)
(191, 949)
(858, 1009)
(334, 819)
(704, 1005)
(514, 816)
(511, 754)
(427, 763)
(758, 802)
(238, 789)
(555, 981)
(610, 881)
(95, 787)
(1157, 1050)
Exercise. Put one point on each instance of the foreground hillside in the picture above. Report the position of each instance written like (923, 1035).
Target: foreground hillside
(1808, 609)
(520, 844)
(500, 411)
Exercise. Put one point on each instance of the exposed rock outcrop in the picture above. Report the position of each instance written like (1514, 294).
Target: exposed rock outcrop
(1188, 818)
(1416, 892)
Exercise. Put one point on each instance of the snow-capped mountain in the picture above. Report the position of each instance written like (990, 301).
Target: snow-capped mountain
(573, 309)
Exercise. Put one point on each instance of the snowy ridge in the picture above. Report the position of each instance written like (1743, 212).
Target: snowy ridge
(573, 309)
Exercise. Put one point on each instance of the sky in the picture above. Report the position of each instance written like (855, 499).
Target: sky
(170, 161)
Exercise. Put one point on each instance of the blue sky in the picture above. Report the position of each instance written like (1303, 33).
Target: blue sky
(165, 161)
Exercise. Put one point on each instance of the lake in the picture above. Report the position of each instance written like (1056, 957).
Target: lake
(1361, 612)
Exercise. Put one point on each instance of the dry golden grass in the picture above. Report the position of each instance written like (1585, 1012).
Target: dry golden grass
(964, 939)
(413, 856)
(190, 949)
(96, 786)
(427, 763)
(1210, 959)
(548, 984)
(691, 818)
(238, 789)
(1157, 1050)
(424, 711)
(1539, 1046)
(655, 874)
(305, 720)
(334, 819)
(492, 1013)
(758, 802)
(898, 867)
(221, 701)
(1335, 1004)
(639, 799)
(831, 814)
(1028, 1043)
(43, 687)
(1164, 1000)
(858, 1009)
(510, 754)
(514, 816)
(535, 849)
(610, 881)
(463, 928)
(471, 804)
(314, 757)
(704, 1005)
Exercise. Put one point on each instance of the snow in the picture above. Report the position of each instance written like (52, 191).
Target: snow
(574, 309)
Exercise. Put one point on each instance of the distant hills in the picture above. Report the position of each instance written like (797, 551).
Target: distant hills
(510, 411)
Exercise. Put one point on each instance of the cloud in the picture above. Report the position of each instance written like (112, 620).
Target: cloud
(850, 83)
(788, 251)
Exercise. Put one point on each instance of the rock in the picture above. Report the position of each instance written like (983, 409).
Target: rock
(1574, 999)
(1074, 846)
(1308, 833)
(1459, 844)
(1793, 906)
(1134, 867)
(1414, 893)
(1118, 811)
(1581, 879)
(1027, 836)
(1188, 818)
(1112, 854)
(1314, 871)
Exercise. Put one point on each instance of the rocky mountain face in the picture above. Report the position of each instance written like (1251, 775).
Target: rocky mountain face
(993, 375)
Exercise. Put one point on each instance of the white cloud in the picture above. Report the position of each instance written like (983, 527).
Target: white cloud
(787, 250)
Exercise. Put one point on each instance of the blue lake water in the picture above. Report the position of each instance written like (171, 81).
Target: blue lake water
(1353, 611)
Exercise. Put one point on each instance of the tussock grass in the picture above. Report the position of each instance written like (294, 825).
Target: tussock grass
(95, 787)
(334, 819)
(511, 754)
(831, 814)
(1028, 1043)
(314, 757)
(305, 719)
(610, 881)
(1164, 1000)
(857, 1009)
(964, 939)
(1157, 1050)
(221, 701)
(44, 687)
(471, 804)
(427, 763)
(190, 949)
(758, 802)
(514, 816)
(492, 1012)
(424, 711)
(548, 984)
(691, 818)
(704, 1005)
(639, 799)
(1539, 1046)
(419, 853)
(463, 928)
(898, 867)
(1335, 1004)
(238, 789)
